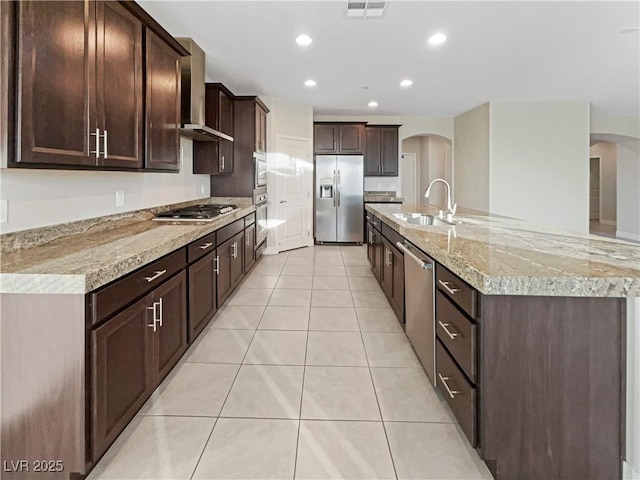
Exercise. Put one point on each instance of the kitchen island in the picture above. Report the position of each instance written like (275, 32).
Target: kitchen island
(546, 393)
(95, 314)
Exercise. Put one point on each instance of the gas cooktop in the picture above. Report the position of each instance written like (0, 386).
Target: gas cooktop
(196, 213)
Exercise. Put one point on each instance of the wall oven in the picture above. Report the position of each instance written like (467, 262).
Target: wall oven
(261, 169)
(261, 201)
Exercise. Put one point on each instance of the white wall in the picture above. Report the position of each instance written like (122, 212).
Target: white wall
(627, 126)
(471, 158)
(442, 126)
(539, 168)
(607, 153)
(628, 201)
(38, 198)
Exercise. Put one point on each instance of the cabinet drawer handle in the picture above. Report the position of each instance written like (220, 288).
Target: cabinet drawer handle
(157, 274)
(375, 224)
(205, 246)
(217, 267)
(445, 285)
(452, 335)
(452, 393)
(104, 137)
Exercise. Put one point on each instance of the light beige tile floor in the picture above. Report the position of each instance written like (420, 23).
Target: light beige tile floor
(304, 373)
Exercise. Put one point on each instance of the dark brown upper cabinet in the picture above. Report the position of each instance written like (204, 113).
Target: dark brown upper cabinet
(80, 87)
(163, 105)
(261, 127)
(249, 134)
(381, 151)
(339, 138)
(216, 158)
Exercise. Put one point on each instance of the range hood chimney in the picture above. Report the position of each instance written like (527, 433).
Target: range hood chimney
(193, 96)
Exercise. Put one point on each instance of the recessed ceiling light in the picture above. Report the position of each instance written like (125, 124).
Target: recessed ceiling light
(437, 38)
(406, 83)
(373, 104)
(303, 40)
(310, 83)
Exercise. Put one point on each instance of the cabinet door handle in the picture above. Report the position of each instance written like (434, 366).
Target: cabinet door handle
(160, 308)
(97, 150)
(217, 267)
(205, 246)
(222, 163)
(234, 254)
(248, 242)
(104, 137)
(387, 262)
(445, 285)
(157, 274)
(153, 325)
(452, 393)
(452, 335)
(370, 237)
(382, 169)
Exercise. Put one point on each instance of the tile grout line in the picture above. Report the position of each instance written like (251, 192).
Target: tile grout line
(228, 393)
(304, 371)
(375, 392)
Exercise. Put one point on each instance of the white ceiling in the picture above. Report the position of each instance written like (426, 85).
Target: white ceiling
(499, 50)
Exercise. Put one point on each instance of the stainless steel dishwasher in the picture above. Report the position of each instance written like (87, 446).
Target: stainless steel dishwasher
(420, 306)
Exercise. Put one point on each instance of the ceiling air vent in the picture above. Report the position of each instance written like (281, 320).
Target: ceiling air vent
(366, 9)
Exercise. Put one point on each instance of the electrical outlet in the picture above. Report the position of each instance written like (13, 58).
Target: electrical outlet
(4, 211)
(119, 198)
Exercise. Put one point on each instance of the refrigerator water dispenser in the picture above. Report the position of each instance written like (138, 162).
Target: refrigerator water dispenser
(326, 191)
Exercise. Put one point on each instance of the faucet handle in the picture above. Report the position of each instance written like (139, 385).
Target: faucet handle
(454, 208)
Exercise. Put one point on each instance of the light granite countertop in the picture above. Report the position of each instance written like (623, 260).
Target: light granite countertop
(504, 256)
(91, 253)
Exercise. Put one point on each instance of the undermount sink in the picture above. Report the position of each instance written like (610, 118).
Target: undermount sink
(423, 219)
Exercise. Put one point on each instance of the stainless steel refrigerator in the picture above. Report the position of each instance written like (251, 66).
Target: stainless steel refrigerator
(339, 198)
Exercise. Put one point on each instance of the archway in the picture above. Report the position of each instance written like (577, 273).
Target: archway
(433, 159)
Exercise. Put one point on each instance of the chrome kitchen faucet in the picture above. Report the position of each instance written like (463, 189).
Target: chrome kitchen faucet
(451, 210)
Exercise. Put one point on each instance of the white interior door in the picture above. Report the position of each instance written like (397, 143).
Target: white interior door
(408, 177)
(292, 201)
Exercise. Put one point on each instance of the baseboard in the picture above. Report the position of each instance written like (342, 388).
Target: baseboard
(629, 473)
(634, 237)
(270, 251)
(607, 222)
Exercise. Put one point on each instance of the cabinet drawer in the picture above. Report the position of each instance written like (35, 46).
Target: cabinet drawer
(201, 247)
(458, 392)
(225, 233)
(457, 333)
(249, 220)
(118, 294)
(391, 235)
(460, 292)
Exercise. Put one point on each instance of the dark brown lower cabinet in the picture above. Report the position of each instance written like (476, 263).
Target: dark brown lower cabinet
(170, 339)
(393, 278)
(202, 294)
(230, 255)
(122, 378)
(132, 353)
(378, 252)
(249, 247)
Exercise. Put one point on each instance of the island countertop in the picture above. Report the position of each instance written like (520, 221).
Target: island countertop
(105, 249)
(504, 256)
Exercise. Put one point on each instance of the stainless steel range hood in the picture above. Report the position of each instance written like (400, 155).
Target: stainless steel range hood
(193, 96)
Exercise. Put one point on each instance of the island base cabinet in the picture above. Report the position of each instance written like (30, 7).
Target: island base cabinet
(132, 353)
(551, 386)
